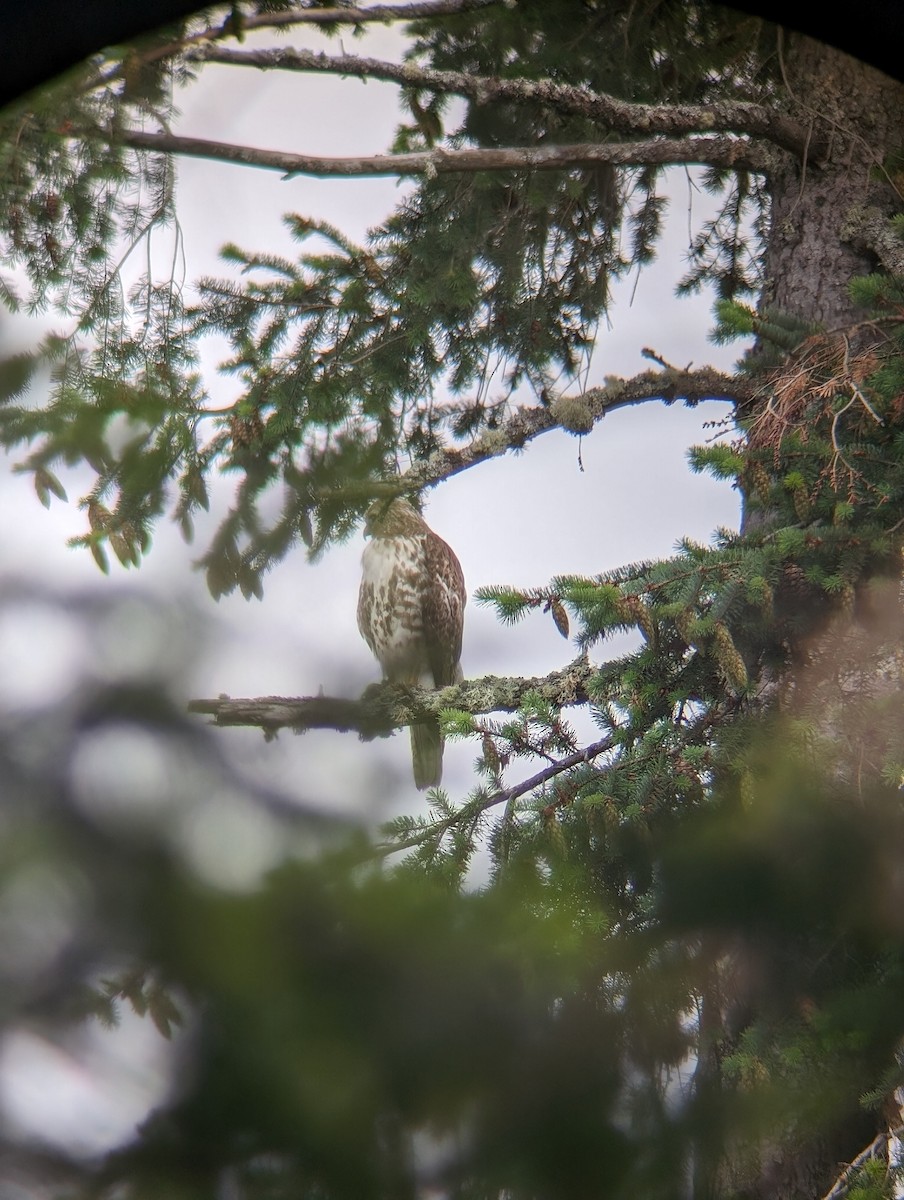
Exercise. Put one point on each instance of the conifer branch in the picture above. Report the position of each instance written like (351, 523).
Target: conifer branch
(507, 796)
(572, 414)
(376, 13)
(385, 707)
(724, 151)
(612, 114)
(579, 414)
(470, 812)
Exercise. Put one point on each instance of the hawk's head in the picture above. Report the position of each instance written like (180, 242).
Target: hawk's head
(391, 518)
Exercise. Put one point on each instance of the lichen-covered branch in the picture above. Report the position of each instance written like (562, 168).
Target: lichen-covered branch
(610, 113)
(579, 414)
(385, 707)
(724, 151)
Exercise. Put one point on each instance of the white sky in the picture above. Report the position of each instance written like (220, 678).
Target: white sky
(518, 520)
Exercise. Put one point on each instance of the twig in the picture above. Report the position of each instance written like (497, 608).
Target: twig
(839, 454)
(858, 394)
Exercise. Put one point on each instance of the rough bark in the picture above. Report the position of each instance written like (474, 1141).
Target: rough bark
(856, 113)
(817, 241)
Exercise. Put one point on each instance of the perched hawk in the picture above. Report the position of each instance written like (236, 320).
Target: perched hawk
(410, 612)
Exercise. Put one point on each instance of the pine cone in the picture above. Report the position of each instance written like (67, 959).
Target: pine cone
(730, 662)
(684, 623)
(760, 480)
(246, 430)
(795, 580)
(802, 505)
(642, 616)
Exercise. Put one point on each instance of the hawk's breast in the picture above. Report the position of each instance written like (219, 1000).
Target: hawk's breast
(390, 607)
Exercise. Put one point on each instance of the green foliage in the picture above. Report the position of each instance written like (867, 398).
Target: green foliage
(715, 880)
(880, 292)
(778, 333)
(724, 462)
(75, 205)
(822, 550)
(720, 254)
(352, 360)
(335, 1015)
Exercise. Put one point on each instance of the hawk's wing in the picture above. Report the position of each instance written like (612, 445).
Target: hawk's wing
(443, 610)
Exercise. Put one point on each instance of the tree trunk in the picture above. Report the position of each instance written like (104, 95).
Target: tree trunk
(855, 114)
(793, 1172)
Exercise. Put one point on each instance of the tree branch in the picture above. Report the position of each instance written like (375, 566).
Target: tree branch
(297, 16)
(423, 11)
(724, 151)
(385, 707)
(475, 808)
(579, 414)
(470, 811)
(878, 1148)
(572, 414)
(722, 116)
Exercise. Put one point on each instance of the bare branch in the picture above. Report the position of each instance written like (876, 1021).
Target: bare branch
(724, 151)
(385, 707)
(612, 114)
(382, 13)
(575, 759)
(425, 10)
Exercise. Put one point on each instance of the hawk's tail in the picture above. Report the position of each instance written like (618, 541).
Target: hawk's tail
(427, 754)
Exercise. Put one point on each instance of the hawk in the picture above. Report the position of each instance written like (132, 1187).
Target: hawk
(410, 612)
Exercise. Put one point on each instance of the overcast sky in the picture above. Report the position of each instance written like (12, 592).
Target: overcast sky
(518, 520)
